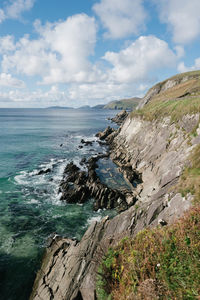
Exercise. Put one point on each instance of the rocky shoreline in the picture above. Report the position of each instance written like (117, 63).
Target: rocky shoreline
(152, 156)
(77, 186)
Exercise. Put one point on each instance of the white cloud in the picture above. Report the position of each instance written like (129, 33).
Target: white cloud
(14, 9)
(121, 18)
(183, 18)
(36, 98)
(2, 16)
(180, 51)
(7, 44)
(130, 73)
(60, 54)
(144, 56)
(9, 81)
(182, 68)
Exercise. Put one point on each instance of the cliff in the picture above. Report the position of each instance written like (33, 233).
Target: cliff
(156, 142)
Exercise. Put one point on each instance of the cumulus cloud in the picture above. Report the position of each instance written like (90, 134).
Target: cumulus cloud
(14, 8)
(9, 81)
(7, 44)
(121, 18)
(103, 92)
(144, 56)
(182, 68)
(130, 73)
(183, 18)
(53, 96)
(60, 54)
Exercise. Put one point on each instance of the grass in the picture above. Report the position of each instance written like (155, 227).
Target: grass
(175, 102)
(162, 263)
(170, 257)
(190, 179)
(176, 109)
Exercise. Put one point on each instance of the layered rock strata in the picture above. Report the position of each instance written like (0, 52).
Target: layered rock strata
(78, 186)
(157, 152)
(69, 267)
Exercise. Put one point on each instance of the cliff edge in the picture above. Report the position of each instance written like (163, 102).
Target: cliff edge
(156, 143)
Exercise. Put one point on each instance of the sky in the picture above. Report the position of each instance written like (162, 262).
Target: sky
(89, 52)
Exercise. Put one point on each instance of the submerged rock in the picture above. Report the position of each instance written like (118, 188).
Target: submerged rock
(86, 143)
(41, 172)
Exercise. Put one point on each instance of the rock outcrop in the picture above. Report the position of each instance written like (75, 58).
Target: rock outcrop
(120, 117)
(69, 267)
(78, 186)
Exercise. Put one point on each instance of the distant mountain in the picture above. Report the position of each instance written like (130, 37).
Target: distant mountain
(128, 104)
(59, 107)
(84, 107)
(99, 106)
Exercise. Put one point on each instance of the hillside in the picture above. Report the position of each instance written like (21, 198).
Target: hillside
(151, 250)
(127, 104)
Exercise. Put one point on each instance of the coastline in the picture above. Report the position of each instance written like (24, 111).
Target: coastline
(82, 258)
(154, 152)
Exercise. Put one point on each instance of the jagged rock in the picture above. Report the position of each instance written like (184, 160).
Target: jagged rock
(103, 135)
(69, 268)
(70, 168)
(87, 143)
(83, 161)
(78, 186)
(120, 117)
(41, 172)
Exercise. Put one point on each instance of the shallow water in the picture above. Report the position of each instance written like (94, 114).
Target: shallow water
(30, 209)
(109, 174)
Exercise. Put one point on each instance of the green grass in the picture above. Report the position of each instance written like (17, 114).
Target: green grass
(175, 102)
(170, 256)
(176, 109)
(190, 179)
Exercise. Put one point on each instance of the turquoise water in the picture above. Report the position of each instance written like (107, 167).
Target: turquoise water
(30, 209)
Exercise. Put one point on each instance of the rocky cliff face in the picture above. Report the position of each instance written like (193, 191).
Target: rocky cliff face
(155, 153)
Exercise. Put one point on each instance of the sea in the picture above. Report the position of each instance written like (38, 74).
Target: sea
(31, 212)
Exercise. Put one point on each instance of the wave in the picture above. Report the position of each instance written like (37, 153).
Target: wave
(94, 219)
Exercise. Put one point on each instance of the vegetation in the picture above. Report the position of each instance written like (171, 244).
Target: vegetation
(166, 268)
(162, 263)
(190, 179)
(181, 99)
(128, 104)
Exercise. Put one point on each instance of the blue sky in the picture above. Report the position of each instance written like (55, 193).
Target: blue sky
(88, 52)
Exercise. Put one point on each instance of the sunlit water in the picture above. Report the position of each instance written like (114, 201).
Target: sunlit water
(30, 209)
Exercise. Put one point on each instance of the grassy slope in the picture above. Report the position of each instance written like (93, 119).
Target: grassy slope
(168, 267)
(129, 104)
(175, 102)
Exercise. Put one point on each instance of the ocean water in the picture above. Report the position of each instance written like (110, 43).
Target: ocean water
(30, 210)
